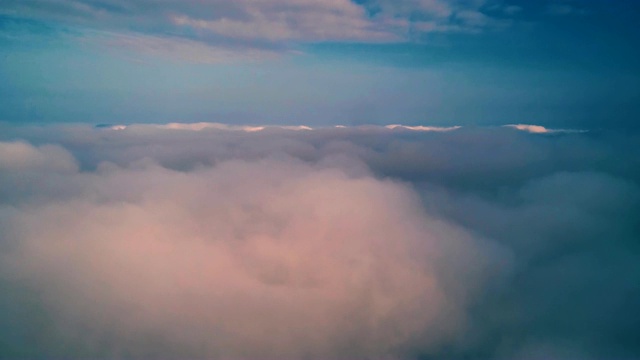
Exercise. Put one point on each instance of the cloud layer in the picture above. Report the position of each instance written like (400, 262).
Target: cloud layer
(333, 243)
(214, 30)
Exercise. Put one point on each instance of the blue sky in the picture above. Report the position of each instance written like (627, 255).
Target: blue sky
(557, 63)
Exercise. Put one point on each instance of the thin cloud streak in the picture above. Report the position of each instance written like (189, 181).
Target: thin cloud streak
(538, 129)
(254, 128)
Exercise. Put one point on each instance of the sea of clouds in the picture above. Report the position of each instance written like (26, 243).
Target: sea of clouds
(226, 242)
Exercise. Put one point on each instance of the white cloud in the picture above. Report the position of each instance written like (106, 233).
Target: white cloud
(218, 126)
(199, 126)
(537, 129)
(423, 128)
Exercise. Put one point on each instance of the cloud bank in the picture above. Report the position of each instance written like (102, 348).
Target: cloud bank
(332, 243)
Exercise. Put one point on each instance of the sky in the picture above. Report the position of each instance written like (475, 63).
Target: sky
(556, 63)
(319, 180)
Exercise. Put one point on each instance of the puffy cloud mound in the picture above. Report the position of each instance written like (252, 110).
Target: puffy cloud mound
(332, 243)
(20, 156)
(270, 258)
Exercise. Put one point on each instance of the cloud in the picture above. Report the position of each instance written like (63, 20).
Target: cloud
(512, 9)
(18, 155)
(176, 48)
(199, 126)
(354, 242)
(422, 128)
(206, 125)
(271, 258)
(207, 31)
(538, 129)
(292, 20)
(560, 9)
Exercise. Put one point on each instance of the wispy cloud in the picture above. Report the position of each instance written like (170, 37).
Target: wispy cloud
(279, 21)
(212, 29)
(562, 9)
(176, 48)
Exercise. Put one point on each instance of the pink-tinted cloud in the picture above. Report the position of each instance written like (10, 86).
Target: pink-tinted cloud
(211, 241)
(273, 258)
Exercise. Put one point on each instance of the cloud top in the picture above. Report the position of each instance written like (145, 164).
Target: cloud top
(210, 242)
(273, 259)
